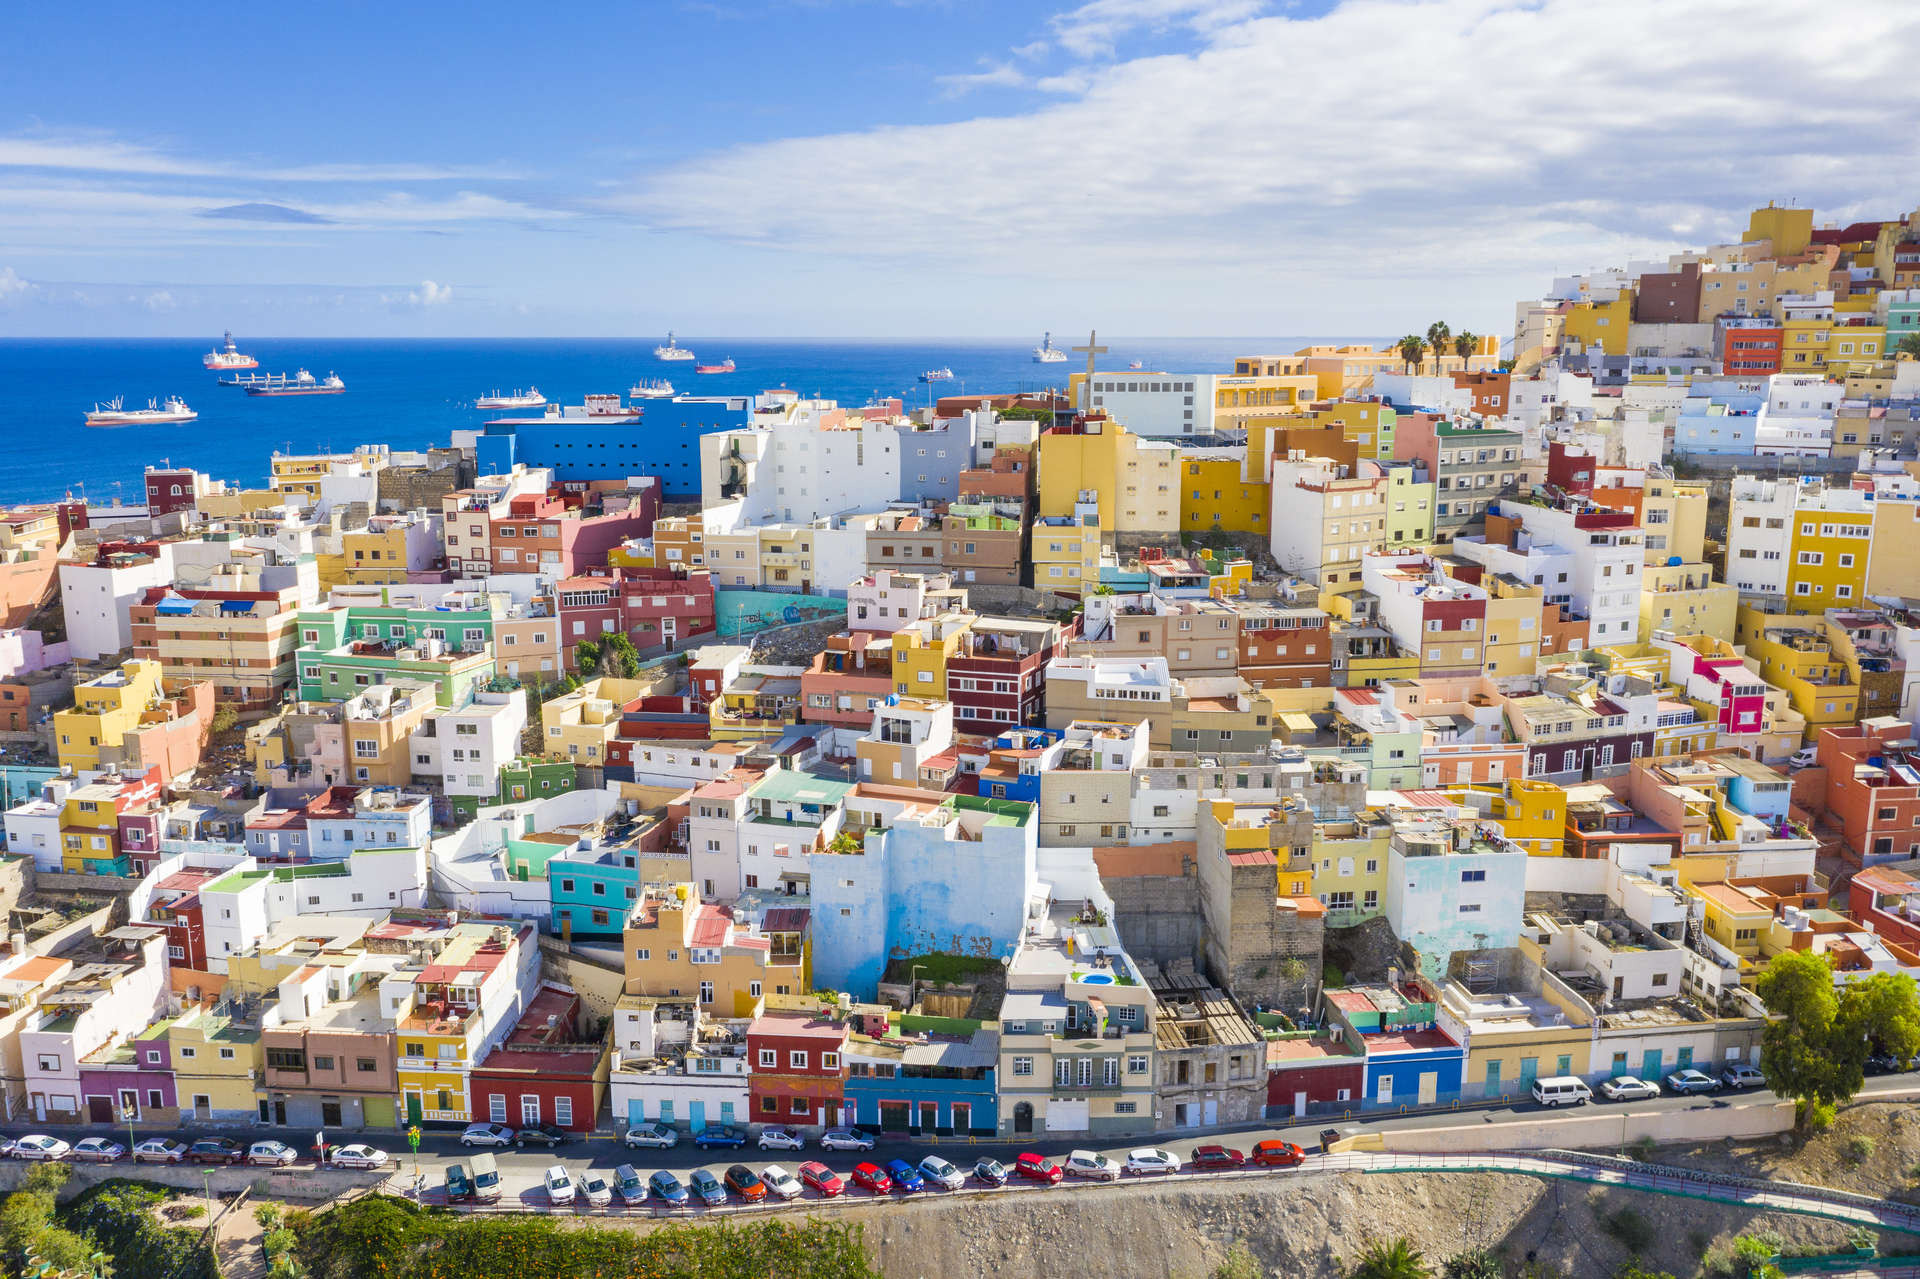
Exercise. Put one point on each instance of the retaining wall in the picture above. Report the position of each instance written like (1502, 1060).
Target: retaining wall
(1596, 1128)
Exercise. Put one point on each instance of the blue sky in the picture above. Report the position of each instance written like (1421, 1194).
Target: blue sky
(887, 167)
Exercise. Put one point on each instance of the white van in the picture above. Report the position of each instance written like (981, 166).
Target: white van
(1562, 1090)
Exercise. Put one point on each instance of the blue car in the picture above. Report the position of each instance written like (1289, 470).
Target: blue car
(713, 1138)
(667, 1188)
(906, 1178)
(708, 1187)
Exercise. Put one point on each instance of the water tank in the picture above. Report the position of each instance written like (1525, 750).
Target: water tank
(1674, 561)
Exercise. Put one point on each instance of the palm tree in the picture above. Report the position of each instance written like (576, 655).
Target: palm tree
(1438, 335)
(1465, 343)
(1909, 345)
(1391, 1259)
(1413, 348)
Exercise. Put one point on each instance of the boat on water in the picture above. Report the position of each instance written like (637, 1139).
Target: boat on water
(228, 356)
(672, 350)
(115, 413)
(1048, 353)
(657, 389)
(937, 375)
(301, 383)
(528, 399)
(1135, 364)
(725, 366)
(252, 379)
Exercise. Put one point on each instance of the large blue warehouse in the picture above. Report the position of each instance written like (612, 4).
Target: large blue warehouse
(576, 445)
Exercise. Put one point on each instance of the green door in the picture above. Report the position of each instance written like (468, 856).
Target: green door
(1492, 1088)
(1529, 1071)
(1565, 1065)
(413, 1108)
(1650, 1065)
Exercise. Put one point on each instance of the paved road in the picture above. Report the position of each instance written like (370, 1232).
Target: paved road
(521, 1170)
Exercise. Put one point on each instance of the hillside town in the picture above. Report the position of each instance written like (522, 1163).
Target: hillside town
(1355, 730)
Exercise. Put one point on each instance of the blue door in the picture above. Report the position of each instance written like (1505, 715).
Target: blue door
(697, 1116)
(1650, 1066)
(636, 1112)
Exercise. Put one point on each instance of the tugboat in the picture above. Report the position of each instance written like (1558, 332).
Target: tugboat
(113, 413)
(228, 356)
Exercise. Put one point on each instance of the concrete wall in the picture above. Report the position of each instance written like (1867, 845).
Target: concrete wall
(1158, 915)
(1593, 1128)
(296, 1184)
(598, 987)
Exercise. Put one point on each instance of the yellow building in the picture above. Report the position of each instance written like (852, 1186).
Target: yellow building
(1350, 867)
(302, 472)
(1787, 232)
(461, 1003)
(1895, 524)
(90, 831)
(1242, 399)
(105, 709)
(1674, 515)
(1601, 325)
(1831, 539)
(1134, 482)
(1065, 551)
(1513, 628)
(215, 1062)
(1215, 498)
(1797, 656)
(1735, 919)
(578, 725)
(921, 652)
(678, 947)
(1367, 423)
(1685, 599)
(1530, 812)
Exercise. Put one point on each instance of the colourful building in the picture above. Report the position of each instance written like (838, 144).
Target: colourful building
(1600, 325)
(1214, 498)
(105, 709)
(678, 947)
(1830, 543)
(1797, 656)
(1532, 813)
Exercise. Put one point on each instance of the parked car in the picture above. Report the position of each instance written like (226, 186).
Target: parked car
(746, 1183)
(871, 1177)
(666, 1187)
(1032, 1167)
(824, 1180)
(596, 1187)
(560, 1187)
(40, 1147)
(486, 1178)
(1743, 1077)
(1628, 1088)
(1560, 1090)
(1147, 1161)
(846, 1139)
(780, 1139)
(548, 1135)
(1085, 1163)
(906, 1178)
(1276, 1154)
(487, 1135)
(1217, 1158)
(1805, 757)
(627, 1184)
(991, 1171)
(1682, 1082)
(941, 1173)
(98, 1150)
(779, 1182)
(654, 1136)
(360, 1156)
(706, 1187)
(216, 1150)
(1881, 1063)
(271, 1154)
(458, 1185)
(160, 1150)
(719, 1137)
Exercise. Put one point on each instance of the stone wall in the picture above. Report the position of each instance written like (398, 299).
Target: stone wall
(297, 1184)
(1158, 915)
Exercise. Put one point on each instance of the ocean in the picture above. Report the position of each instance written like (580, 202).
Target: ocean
(412, 393)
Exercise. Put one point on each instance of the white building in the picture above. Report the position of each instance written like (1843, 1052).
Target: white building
(97, 599)
(1155, 404)
(801, 460)
(1760, 534)
(381, 817)
(673, 1066)
(463, 749)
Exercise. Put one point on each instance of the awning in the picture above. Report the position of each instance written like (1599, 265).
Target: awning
(236, 606)
(173, 606)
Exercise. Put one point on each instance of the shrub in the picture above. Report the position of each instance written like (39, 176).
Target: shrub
(1860, 1149)
(1239, 1264)
(1631, 1229)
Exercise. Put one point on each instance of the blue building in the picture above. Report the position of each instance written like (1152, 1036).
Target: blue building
(1719, 417)
(932, 457)
(1016, 773)
(663, 441)
(930, 1085)
(1409, 1059)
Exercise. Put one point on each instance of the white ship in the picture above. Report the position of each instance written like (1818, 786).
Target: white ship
(529, 399)
(113, 413)
(657, 389)
(228, 356)
(672, 350)
(1048, 353)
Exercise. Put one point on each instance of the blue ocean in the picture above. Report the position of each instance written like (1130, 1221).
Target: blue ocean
(413, 393)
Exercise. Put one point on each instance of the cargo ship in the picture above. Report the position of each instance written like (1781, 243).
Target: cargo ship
(228, 356)
(301, 383)
(937, 375)
(658, 389)
(114, 413)
(725, 366)
(528, 399)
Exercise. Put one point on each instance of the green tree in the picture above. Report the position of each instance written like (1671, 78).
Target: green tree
(586, 658)
(1472, 1263)
(1807, 1051)
(1464, 343)
(1413, 349)
(1909, 345)
(1391, 1259)
(1239, 1264)
(1439, 336)
(621, 659)
(1884, 1012)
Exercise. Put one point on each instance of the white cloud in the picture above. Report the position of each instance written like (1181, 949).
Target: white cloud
(1094, 28)
(158, 300)
(1031, 50)
(994, 75)
(431, 294)
(100, 153)
(1380, 143)
(12, 286)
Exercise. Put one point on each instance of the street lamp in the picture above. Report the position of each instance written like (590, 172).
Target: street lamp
(129, 1113)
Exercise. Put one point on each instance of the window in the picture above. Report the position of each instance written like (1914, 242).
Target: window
(1137, 1064)
(1023, 1066)
(829, 1061)
(706, 992)
(769, 1058)
(797, 1059)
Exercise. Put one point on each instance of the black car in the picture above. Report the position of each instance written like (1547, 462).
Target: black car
(548, 1135)
(216, 1150)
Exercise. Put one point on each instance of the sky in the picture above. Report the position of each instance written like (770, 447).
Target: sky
(951, 168)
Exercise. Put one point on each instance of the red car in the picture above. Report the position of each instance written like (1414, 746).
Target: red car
(873, 1177)
(1277, 1154)
(823, 1179)
(1034, 1167)
(1215, 1158)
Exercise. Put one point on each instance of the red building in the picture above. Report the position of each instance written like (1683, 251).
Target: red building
(1887, 900)
(997, 678)
(797, 1069)
(1492, 390)
(1283, 647)
(1746, 346)
(657, 608)
(543, 1073)
(171, 489)
(1873, 788)
(175, 906)
(1323, 1071)
(556, 534)
(1571, 468)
